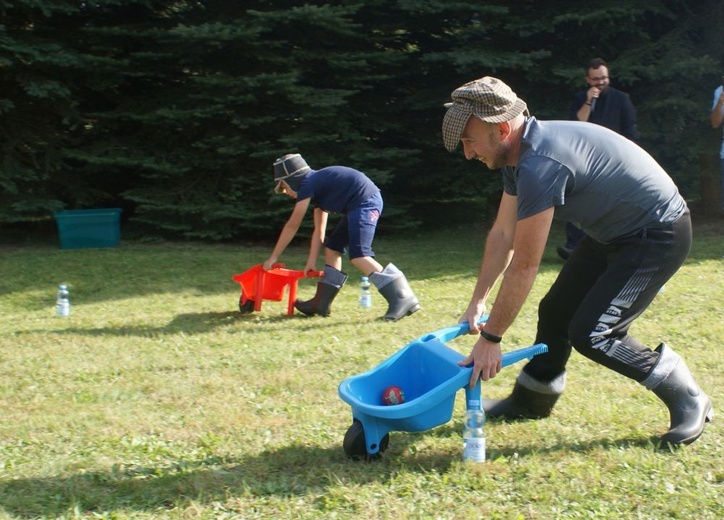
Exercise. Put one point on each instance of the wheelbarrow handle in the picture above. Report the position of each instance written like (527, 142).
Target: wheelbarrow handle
(448, 333)
(523, 353)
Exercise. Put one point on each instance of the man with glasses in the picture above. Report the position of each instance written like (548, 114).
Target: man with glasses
(606, 106)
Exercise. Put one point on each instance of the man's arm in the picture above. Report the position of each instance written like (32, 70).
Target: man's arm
(530, 240)
(496, 257)
(580, 110)
(531, 235)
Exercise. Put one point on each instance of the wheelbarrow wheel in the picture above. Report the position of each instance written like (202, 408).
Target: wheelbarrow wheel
(245, 305)
(355, 444)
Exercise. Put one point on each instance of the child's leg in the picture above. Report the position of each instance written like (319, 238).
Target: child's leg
(333, 258)
(361, 227)
(335, 245)
(394, 287)
(390, 281)
(367, 265)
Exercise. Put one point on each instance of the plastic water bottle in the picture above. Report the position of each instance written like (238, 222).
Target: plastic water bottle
(474, 436)
(365, 295)
(62, 303)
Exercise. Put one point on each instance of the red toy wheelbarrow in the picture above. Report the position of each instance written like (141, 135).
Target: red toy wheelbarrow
(258, 284)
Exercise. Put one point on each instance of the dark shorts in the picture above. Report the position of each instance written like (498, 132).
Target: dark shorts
(356, 229)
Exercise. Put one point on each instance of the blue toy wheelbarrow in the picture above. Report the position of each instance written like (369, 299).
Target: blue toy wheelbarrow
(428, 373)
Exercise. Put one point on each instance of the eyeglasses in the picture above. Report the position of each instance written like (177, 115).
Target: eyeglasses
(598, 80)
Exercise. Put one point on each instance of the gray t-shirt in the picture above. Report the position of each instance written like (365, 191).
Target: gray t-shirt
(602, 182)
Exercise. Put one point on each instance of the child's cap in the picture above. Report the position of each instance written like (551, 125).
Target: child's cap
(290, 168)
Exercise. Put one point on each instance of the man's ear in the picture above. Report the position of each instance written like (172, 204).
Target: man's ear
(504, 130)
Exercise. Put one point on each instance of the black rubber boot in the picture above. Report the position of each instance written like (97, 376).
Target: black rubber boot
(530, 399)
(400, 299)
(321, 304)
(689, 408)
(327, 290)
(393, 286)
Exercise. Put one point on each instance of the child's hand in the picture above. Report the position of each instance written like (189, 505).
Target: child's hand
(269, 263)
(309, 267)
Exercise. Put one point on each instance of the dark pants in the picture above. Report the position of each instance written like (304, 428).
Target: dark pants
(600, 291)
(573, 236)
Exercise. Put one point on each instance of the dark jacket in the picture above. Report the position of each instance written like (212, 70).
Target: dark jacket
(613, 109)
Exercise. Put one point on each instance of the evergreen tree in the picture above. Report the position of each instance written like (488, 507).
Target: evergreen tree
(175, 110)
(37, 106)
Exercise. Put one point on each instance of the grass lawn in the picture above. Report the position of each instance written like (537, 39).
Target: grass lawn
(156, 398)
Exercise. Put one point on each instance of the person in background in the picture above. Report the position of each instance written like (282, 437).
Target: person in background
(638, 231)
(603, 105)
(716, 116)
(343, 190)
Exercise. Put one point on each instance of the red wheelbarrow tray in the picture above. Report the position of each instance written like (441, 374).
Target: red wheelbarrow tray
(427, 371)
(258, 284)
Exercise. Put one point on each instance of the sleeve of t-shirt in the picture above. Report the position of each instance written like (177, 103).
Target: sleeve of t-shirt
(306, 191)
(509, 181)
(542, 183)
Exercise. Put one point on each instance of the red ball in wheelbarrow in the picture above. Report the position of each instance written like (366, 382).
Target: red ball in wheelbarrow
(393, 395)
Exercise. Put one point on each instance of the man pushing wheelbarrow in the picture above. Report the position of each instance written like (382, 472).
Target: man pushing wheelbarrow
(638, 235)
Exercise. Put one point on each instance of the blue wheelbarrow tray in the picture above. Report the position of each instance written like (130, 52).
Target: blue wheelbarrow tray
(428, 373)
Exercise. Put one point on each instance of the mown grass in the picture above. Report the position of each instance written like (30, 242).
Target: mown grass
(157, 399)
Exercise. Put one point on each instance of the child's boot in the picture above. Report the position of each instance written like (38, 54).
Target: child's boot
(393, 285)
(327, 289)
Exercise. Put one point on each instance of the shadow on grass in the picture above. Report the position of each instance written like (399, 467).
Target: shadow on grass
(281, 473)
(493, 454)
(197, 323)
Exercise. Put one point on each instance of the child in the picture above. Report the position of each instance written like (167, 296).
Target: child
(338, 189)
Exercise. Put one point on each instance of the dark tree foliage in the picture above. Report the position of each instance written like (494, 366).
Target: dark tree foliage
(175, 110)
(37, 106)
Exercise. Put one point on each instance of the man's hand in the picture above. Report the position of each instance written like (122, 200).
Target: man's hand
(472, 317)
(486, 359)
(592, 94)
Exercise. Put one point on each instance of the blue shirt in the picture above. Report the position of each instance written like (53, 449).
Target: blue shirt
(605, 184)
(336, 189)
